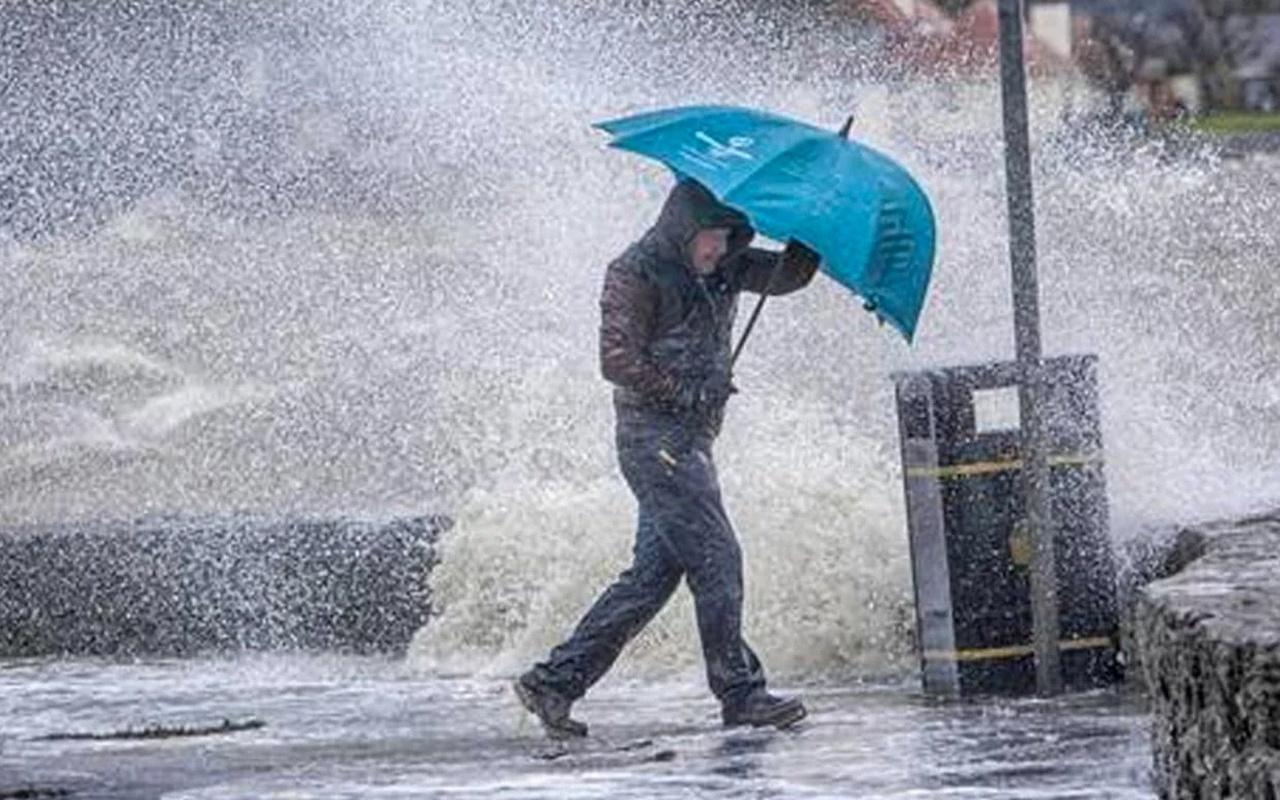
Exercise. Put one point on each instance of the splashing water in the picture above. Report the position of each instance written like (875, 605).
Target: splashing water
(350, 258)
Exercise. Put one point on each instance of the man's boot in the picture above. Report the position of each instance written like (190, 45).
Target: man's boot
(761, 709)
(551, 709)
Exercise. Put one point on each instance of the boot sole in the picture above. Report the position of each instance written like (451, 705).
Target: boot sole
(576, 730)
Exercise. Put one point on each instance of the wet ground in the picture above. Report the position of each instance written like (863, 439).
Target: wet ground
(369, 728)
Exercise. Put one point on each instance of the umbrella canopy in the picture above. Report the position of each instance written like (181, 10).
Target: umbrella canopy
(859, 210)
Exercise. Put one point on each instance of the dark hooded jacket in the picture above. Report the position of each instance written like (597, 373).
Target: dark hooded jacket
(664, 329)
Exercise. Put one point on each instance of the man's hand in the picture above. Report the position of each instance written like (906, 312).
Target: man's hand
(799, 257)
(705, 394)
(716, 390)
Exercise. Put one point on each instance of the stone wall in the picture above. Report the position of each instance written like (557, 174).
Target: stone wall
(1205, 643)
(173, 586)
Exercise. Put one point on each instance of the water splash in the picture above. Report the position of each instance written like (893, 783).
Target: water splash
(361, 273)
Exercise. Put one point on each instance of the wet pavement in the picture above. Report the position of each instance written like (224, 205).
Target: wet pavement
(345, 727)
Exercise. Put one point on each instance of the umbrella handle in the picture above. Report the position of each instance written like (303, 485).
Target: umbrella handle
(747, 331)
(755, 314)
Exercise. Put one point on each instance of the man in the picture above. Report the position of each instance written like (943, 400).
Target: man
(665, 343)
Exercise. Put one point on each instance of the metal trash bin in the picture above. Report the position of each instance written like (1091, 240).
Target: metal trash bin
(970, 549)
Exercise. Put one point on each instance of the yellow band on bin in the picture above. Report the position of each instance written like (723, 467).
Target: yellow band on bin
(988, 467)
(1015, 651)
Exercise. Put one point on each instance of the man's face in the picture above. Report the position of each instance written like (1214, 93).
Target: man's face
(706, 249)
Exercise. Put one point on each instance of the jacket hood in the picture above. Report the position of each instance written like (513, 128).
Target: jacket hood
(690, 208)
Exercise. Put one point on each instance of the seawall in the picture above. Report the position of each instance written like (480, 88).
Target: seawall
(1205, 645)
(173, 586)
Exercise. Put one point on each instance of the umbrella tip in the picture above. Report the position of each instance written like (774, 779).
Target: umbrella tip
(844, 129)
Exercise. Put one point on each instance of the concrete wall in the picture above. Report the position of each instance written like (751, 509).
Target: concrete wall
(184, 585)
(1205, 643)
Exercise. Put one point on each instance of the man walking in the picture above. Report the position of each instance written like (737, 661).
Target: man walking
(668, 308)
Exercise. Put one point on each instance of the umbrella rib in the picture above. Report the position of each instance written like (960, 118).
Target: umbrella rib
(737, 184)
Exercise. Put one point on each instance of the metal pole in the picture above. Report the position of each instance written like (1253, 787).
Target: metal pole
(1026, 324)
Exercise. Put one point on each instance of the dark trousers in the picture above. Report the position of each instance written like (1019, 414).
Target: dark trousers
(682, 531)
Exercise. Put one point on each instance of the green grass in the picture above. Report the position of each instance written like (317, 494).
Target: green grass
(1237, 122)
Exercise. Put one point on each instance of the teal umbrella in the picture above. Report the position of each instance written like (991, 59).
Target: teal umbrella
(859, 210)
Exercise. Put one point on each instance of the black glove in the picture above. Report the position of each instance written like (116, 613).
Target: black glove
(705, 394)
(799, 256)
